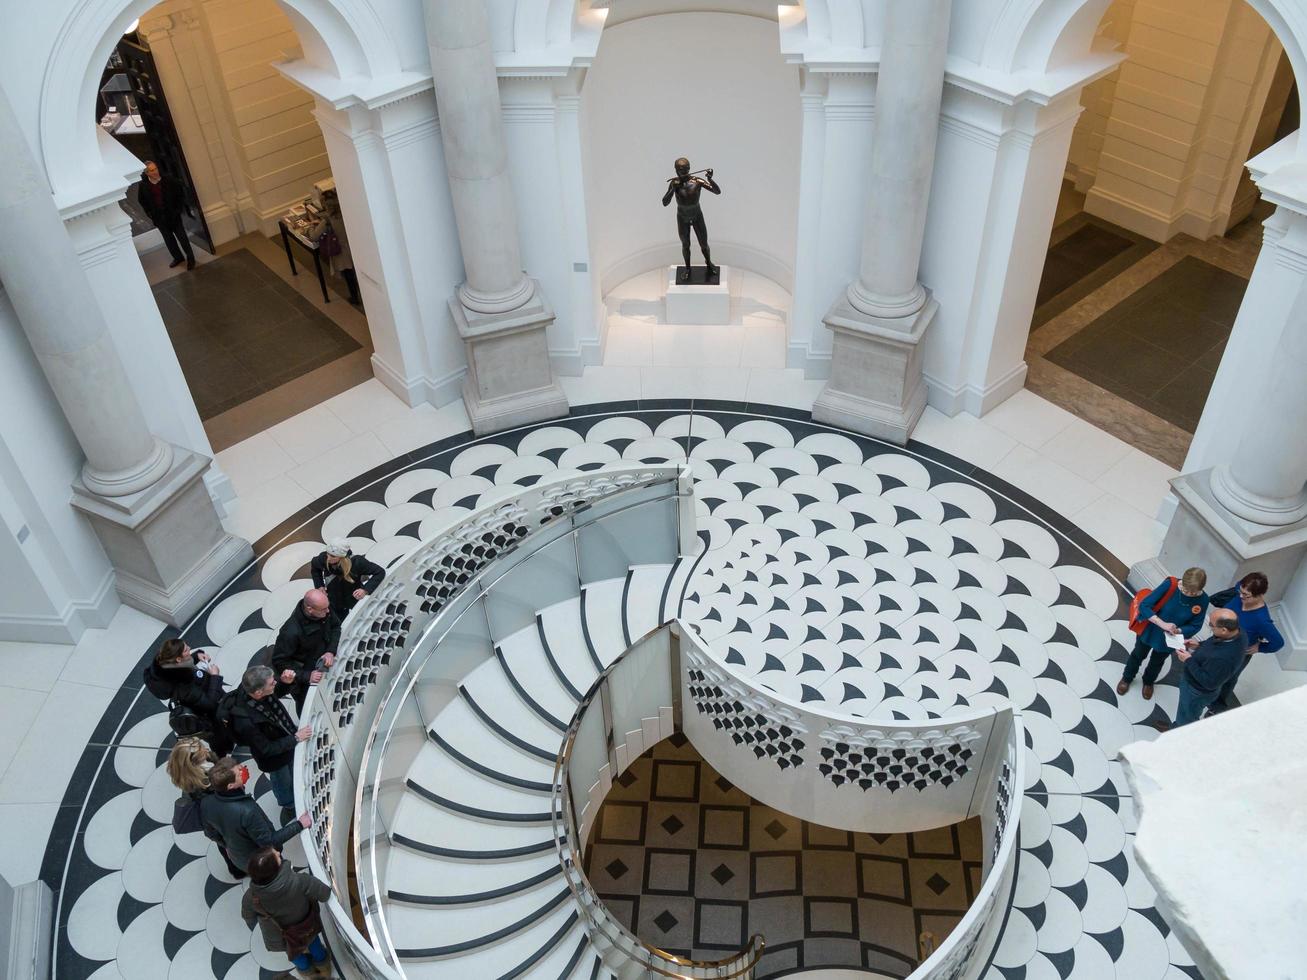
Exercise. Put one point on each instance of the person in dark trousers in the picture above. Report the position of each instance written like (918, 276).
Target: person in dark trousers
(163, 200)
(256, 717)
(306, 645)
(189, 763)
(1179, 615)
(1249, 604)
(188, 677)
(345, 576)
(284, 903)
(234, 817)
(1208, 666)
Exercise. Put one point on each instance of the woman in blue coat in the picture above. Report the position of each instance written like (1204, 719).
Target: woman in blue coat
(1249, 604)
(1181, 614)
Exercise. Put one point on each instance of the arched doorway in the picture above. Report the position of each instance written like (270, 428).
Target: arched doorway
(707, 82)
(1158, 229)
(364, 86)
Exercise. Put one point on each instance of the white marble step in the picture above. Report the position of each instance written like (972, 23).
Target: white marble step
(603, 618)
(561, 625)
(530, 668)
(425, 875)
(644, 598)
(467, 733)
(554, 965)
(422, 932)
(495, 696)
(436, 771)
(421, 821)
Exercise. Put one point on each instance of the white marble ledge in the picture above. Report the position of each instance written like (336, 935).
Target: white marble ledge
(1223, 820)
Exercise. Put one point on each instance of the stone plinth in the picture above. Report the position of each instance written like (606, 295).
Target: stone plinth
(701, 303)
(875, 384)
(509, 380)
(1222, 808)
(166, 543)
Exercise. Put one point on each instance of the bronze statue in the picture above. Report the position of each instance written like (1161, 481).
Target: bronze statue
(686, 188)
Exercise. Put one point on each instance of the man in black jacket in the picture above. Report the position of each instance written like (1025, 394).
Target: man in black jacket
(188, 677)
(163, 200)
(345, 576)
(234, 816)
(306, 645)
(256, 717)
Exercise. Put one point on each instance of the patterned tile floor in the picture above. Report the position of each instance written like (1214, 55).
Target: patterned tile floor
(695, 866)
(894, 582)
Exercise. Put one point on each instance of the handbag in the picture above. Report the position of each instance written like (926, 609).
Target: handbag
(186, 817)
(1222, 599)
(184, 722)
(1137, 625)
(298, 935)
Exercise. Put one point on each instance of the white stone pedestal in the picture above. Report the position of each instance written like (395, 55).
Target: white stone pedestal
(875, 385)
(165, 542)
(698, 304)
(509, 379)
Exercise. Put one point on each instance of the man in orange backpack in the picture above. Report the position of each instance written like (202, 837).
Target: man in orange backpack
(1174, 608)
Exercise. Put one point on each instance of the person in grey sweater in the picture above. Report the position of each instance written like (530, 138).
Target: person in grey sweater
(236, 819)
(284, 903)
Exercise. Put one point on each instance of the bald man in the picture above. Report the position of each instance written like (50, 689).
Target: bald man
(306, 645)
(1207, 667)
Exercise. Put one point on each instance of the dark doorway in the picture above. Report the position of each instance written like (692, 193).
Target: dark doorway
(134, 110)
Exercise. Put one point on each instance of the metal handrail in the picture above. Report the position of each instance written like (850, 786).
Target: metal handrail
(562, 811)
(484, 581)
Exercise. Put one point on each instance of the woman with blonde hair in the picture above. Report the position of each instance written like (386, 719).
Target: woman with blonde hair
(189, 763)
(344, 576)
(1174, 608)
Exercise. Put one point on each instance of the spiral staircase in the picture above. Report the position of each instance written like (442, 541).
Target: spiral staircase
(489, 693)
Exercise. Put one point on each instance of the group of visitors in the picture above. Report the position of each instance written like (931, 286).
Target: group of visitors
(212, 723)
(1167, 621)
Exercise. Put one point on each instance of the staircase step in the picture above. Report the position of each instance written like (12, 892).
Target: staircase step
(421, 879)
(421, 824)
(524, 662)
(465, 732)
(602, 606)
(644, 598)
(435, 770)
(564, 641)
(490, 690)
(515, 926)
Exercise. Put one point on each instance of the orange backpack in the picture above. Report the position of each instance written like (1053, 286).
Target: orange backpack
(1137, 625)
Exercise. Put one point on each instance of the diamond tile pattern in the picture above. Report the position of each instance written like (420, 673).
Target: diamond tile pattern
(820, 896)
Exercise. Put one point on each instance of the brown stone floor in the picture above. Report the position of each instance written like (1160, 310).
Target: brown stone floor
(299, 350)
(695, 866)
(1127, 333)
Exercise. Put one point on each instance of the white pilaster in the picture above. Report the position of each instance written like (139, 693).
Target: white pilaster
(501, 314)
(875, 382)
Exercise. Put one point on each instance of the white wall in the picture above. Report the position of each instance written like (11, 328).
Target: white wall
(711, 87)
(60, 580)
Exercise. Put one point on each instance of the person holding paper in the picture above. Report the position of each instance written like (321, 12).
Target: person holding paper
(1171, 609)
(1208, 666)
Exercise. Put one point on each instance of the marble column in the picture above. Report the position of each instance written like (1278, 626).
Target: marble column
(875, 384)
(145, 498)
(500, 312)
(1240, 505)
(1266, 481)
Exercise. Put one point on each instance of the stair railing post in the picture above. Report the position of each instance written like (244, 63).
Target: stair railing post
(675, 664)
(606, 706)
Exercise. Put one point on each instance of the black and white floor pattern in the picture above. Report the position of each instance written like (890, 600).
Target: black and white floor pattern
(895, 583)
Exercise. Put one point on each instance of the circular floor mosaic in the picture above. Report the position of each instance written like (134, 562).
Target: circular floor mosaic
(894, 583)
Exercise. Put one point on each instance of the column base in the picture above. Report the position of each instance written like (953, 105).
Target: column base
(875, 384)
(510, 381)
(168, 548)
(1205, 534)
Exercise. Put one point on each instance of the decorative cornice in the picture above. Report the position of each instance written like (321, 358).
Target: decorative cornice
(969, 131)
(534, 113)
(850, 111)
(424, 129)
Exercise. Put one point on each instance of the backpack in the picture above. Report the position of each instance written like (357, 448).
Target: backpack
(1137, 625)
(186, 817)
(222, 716)
(184, 722)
